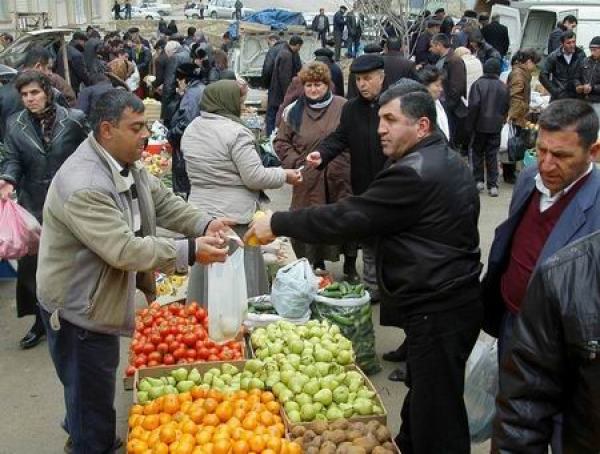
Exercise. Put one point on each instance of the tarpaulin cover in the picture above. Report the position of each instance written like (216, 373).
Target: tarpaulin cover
(277, 19)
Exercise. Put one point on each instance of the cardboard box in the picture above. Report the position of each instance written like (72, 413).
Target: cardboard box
(289, 425)
(163, 371)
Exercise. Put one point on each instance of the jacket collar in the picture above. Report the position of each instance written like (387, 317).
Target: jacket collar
(28, 129)
(435, 138)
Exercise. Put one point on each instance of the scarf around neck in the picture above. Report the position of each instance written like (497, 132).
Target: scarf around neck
(296, 111)
(46, 120)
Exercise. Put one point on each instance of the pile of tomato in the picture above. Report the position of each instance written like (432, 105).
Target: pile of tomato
(209, 422)
(175, 334)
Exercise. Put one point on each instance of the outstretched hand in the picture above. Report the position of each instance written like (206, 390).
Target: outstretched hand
(261, 229)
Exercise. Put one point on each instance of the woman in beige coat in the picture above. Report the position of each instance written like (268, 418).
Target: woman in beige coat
(227, 176)
(305, 122)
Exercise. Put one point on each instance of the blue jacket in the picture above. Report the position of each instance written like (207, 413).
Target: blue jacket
(580, 218)
(339, 22)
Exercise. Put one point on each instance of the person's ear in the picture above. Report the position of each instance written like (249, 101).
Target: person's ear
(424, 127)
(595, 151)
(106, 130)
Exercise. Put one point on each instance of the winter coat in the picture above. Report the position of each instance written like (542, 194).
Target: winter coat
(422, 54)
(354, 25)
(473, 70)
(286, 66)
(396, 67)
(519, 84)
(487, 52)
(447, 26)
(169, 93)
(552, 366)
(269, 63)
(559, 77)
(422, 213)
(77, 68)
(364, 144)
(225, 171)
(488, 105)
(29, 164)
(339, 22)
(590, 74)
(455, 84)
(89, 96)
(318, 186)
(315, 24)
(554, 39)
(496, 35)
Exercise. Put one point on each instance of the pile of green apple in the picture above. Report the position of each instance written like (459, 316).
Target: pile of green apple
(314, 342)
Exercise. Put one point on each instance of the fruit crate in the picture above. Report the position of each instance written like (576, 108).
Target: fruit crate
(163, 371)
(289, 425)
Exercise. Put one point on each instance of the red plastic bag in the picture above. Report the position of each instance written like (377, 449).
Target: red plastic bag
(19, 231)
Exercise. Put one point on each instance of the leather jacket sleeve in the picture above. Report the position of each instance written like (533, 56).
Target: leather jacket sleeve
(547, 69)
(531, 375)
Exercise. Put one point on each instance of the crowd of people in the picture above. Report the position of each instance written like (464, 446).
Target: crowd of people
(375, 163)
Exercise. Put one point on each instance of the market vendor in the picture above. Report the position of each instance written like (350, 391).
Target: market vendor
(422, 209)
(100, 221)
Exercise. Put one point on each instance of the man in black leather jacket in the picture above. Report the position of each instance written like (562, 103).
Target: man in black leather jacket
(553, 364)
(562, 67)
(422, 208)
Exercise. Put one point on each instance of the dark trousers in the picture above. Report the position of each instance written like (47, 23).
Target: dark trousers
(323, 37)
(86, 364)
(353, 46)
(337, 36)
(270, 119)
(434, 419)
(485, 147)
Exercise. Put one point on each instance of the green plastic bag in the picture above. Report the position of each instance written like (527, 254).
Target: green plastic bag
(354, 317)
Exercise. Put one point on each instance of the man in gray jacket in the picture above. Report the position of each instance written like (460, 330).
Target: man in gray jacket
(98, 239)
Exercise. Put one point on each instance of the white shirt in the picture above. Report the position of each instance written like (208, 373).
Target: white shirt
(568, 58)
(547, 200)
(135, 218)
(442, 119)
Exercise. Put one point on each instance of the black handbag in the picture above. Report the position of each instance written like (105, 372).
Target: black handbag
(519, 141)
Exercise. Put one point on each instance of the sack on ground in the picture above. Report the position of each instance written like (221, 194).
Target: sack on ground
(294, 288)
(227, 297)
(19, 231)
(481, 387)
(354, 317)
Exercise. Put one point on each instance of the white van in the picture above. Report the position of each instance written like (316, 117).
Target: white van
(530, 23)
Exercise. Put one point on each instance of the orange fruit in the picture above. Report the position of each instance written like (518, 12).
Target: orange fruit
(183, 397)
(171, 404)
(154, 438)
(250, 422)
(268, 451)
(137, 410)
(198, 392)
(255, 392)
(221, 446)
(224, 411)
(267, 396)
(208, 448)
(168, 434)
(137, 446)
(210, 404)
(266, 418)
(294, 448)
(241, 447)
(203, 437)
(241, 394)
(198, 450)
(197, 414)
(185, 406)
(160, 448)
(257, 443)
(151, 408)
(237, 433)
(184, 448)
(135, 420)
(151, 422)
(137, 432)
(274, 443)
(215, 394)
(189, 427)
(210, 420)
(273, 407)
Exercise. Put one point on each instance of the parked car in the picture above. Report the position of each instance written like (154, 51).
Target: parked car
(138, 13)
(50, 39)
(193, 12)
(224, 9)
(164, 9)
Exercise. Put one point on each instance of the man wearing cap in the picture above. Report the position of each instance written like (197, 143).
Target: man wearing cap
(589, 76)
(371, 48)
(447, 24)
(77, 68)
(325, 55)
(339, 23)
(320, 25)
(357, 132)
(422, 53)
(496, 35)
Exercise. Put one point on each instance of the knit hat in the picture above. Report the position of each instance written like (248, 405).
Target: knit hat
(595, 42)
(492, 66)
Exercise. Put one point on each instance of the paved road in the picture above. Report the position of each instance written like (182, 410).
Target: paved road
(32, 402)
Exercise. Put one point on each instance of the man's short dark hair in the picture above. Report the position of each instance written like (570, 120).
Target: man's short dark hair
(441, 38)
(569, 114)
(296, 41)
(110, 107)
(191, 31)
(35, 55)
(394, 44)
(570, 19)
(79, 36)
(30, 76)
(439, 11)
(430, 74)
(415, 100)
(569, 34)
(523, 55)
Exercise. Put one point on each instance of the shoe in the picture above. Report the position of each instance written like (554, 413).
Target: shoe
(480, 186)
(31, 339)
(396, 356)
(493, 192)
(398, 374)
(69, 445)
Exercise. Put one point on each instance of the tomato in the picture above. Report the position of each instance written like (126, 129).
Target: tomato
(140, 361)
(179, 337)
(154, 356)
(213, 351)
(148, 321)
(153, 363)
(174, 346)
(190, 354)
(155, 305)
(169, 338)
(137, 347)
(155, 338)
(182, 361)
(146, 331)
(168, 359)
(201, 314)
(226, 355)
(209, 344)
(213, 358)
(179, 353)
(190, 339)
(130, 372)
(159, 320)
(148, 348)
(162, 347)
(139, 326)
(201, 332)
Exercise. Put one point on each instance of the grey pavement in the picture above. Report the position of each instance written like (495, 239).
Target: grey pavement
(31, 397)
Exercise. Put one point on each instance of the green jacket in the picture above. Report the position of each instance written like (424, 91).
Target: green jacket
(89, 254)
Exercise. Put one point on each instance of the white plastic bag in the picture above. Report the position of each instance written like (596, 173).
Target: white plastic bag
(294, 289)
(481, 387)
(227, 297)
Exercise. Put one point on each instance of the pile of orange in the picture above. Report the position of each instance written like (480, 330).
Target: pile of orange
(209, 422)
